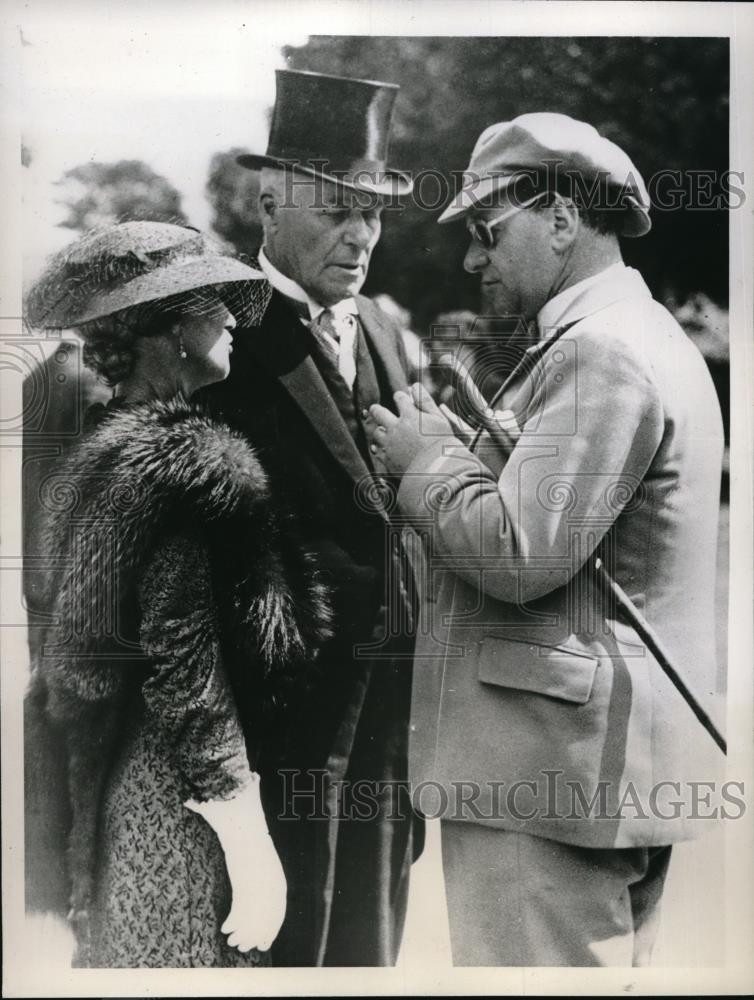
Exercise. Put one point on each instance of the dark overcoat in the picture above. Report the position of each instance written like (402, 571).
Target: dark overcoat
(347, 874)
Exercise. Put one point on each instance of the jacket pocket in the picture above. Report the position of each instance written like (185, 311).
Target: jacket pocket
(555, 671)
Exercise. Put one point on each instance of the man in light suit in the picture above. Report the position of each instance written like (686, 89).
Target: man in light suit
(560, 757)
(299, 388)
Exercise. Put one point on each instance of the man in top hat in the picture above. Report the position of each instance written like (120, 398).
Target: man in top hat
(565, 757)
(300, 388)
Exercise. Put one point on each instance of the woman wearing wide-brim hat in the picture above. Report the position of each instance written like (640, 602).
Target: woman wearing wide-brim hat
(184, 614)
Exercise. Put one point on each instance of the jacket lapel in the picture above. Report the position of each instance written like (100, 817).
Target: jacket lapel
(527, 363)
(382, 340)
(530, 359)
(284, 347)
(308, 390)
(627, 282)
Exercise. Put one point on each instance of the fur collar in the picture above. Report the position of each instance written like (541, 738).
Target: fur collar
(158, 467)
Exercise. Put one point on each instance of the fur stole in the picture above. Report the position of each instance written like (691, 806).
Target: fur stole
(160, 467)
(144, 472)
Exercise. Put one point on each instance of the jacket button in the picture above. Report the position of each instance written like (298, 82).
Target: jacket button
(365, 413)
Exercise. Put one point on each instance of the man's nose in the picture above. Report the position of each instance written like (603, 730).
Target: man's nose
(230, 322)
(476, 258)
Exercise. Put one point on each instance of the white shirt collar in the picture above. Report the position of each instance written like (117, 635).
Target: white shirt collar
(551, 315)
(288, 287)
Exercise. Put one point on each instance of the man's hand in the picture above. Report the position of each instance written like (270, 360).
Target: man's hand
(396, 441)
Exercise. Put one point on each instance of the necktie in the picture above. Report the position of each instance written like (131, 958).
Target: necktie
(337, 337)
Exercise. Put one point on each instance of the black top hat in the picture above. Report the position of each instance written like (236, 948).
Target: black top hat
(332, 127)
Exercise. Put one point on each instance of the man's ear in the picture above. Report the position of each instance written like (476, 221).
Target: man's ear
(268, 208)
(564, 223)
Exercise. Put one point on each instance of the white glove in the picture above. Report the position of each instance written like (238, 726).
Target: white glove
(256, 876)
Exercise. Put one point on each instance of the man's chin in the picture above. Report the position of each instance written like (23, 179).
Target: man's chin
(337, 291)
(495, 302)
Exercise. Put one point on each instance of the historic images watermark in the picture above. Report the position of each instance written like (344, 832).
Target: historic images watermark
(548, 796)
(668, 189)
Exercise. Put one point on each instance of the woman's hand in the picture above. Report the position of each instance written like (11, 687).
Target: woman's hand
(255, 873)
(259, 893)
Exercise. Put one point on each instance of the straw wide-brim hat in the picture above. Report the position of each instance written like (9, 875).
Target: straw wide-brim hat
(131, 263)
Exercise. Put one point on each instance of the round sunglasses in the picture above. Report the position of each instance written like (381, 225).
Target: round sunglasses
(481, 229)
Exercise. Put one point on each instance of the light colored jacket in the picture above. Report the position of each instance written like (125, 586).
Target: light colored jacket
(526, 685)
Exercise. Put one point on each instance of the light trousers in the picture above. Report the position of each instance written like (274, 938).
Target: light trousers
(518, 900)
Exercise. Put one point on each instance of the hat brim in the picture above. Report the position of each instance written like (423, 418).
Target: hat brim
(395, 182)
(162, 283)
(636, 221)
(473, 196)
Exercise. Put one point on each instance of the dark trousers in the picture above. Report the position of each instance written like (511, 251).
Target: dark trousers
(350, 836)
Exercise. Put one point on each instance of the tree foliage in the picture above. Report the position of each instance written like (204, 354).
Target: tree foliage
(233, 192)
(664, 100)
(99, 194)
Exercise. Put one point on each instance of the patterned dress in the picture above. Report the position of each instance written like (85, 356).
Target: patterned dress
(161, 888)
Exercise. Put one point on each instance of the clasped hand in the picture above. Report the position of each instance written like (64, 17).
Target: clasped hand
(395, 441)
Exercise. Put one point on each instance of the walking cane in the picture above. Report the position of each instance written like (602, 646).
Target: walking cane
(466, 386)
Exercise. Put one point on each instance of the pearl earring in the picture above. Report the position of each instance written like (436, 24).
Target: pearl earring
(181, 349)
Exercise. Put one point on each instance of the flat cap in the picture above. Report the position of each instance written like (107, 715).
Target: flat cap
(554, 149)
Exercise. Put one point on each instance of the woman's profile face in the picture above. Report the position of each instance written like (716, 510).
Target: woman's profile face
(207, 340)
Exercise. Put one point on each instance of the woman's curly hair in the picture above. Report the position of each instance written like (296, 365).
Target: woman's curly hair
(110, 341)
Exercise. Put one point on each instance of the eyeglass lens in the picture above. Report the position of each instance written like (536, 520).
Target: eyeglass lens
(482, 233)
